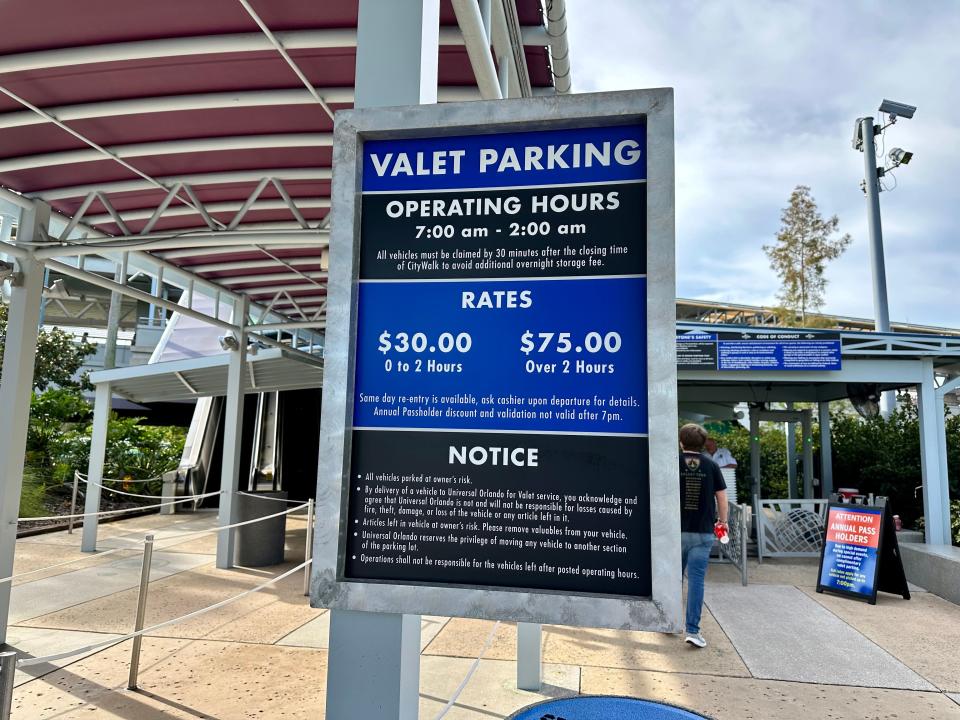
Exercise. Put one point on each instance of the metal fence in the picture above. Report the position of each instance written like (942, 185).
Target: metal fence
(790, 527)
(736, 550)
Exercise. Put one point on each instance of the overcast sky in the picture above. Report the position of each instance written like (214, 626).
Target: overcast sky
(766, 96)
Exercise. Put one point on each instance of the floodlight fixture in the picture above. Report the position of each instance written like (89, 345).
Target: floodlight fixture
(229, 342)
(897, 110)
(899, 156)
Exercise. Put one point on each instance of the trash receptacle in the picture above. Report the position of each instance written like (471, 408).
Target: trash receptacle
(260, 543)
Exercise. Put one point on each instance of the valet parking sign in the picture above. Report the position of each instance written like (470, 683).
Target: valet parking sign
(500, 403)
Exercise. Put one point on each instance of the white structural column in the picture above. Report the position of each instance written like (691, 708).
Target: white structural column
(806, 431)
(826, 450)
(529, 661)
(936, 489)
(789, 433)
(16, 383)
(373, 664)
(98, 451)
(232, 439)
(397, 52)
(755, 450)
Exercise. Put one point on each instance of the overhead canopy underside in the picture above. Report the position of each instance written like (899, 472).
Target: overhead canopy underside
(112, 109)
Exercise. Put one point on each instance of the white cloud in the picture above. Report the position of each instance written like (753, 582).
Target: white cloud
(766, 96)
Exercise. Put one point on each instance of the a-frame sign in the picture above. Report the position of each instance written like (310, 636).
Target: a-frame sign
(860, 554)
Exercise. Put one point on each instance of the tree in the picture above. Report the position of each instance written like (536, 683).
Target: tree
(799, 256)
(59, 357)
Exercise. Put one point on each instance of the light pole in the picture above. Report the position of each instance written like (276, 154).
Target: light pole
(863, 134)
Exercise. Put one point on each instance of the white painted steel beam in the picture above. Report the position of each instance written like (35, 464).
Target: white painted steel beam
(252, 264)
(271, 277)
(16, 384)
(215, 178)
(232, 206)
(171, 147)
(232, 445)
(478, 48)
(315, 289)
(295, 243)
(936, 488)
(204, 101)
(215, 44)
(196, 240)
(98, 450)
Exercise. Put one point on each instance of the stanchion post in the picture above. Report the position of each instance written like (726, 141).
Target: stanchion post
(141, 611)
(308, 550)
(8, 669)
(73, 501)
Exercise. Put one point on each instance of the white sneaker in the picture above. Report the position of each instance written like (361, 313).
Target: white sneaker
(696, 639)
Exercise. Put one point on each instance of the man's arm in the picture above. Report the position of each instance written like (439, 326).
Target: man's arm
(722, 505)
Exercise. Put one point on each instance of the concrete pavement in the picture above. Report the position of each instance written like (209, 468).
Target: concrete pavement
(776, 648)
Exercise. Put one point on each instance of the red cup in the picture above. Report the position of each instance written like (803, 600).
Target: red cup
(720, 530)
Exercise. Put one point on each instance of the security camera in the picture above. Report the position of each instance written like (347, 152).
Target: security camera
(899, 156)
(895, 110)
(229, 342)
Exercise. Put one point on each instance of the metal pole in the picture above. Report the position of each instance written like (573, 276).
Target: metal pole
(826, 451)
(871, 186)
(8, 669)
(744, 532)
(872, 189)
(73, 501)
(308, 550)
(141, 611)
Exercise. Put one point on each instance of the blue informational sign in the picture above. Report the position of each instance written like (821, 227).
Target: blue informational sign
(500, 387)
(851, 550)
(698, 350)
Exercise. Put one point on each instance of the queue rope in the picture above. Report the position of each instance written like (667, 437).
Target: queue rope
(261, 497)
(129, 494)
(124, 510)
(176, 537)
(85, 476)
(27, 662)
(473, 668)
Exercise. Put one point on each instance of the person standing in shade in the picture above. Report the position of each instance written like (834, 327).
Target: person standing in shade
(720, 455)
(702, 490)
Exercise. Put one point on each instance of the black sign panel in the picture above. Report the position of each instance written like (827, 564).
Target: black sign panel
(509, 510)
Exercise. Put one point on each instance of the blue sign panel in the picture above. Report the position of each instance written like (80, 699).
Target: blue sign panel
(851, 550)
(604, 708)
(500, 392)
(542, 157)
(496, 355)
(758, 351)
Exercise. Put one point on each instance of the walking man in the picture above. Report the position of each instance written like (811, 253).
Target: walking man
(701, 489)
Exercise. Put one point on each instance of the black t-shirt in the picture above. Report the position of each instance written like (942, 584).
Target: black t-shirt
(700, 478)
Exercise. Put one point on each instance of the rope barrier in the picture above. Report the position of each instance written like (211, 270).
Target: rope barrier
(85, 476)
(261, 497)
(125, 510)
(470, 672)
(11, 578)
(27, 662)
(140, 533)
(136, 495)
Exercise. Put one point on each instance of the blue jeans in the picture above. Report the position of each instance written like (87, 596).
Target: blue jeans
(695, 551)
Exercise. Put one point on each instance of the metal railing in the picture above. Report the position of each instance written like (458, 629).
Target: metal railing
(790, 527)
(738, 521)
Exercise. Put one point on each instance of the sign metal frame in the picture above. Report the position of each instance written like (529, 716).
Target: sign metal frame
(662, 611)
